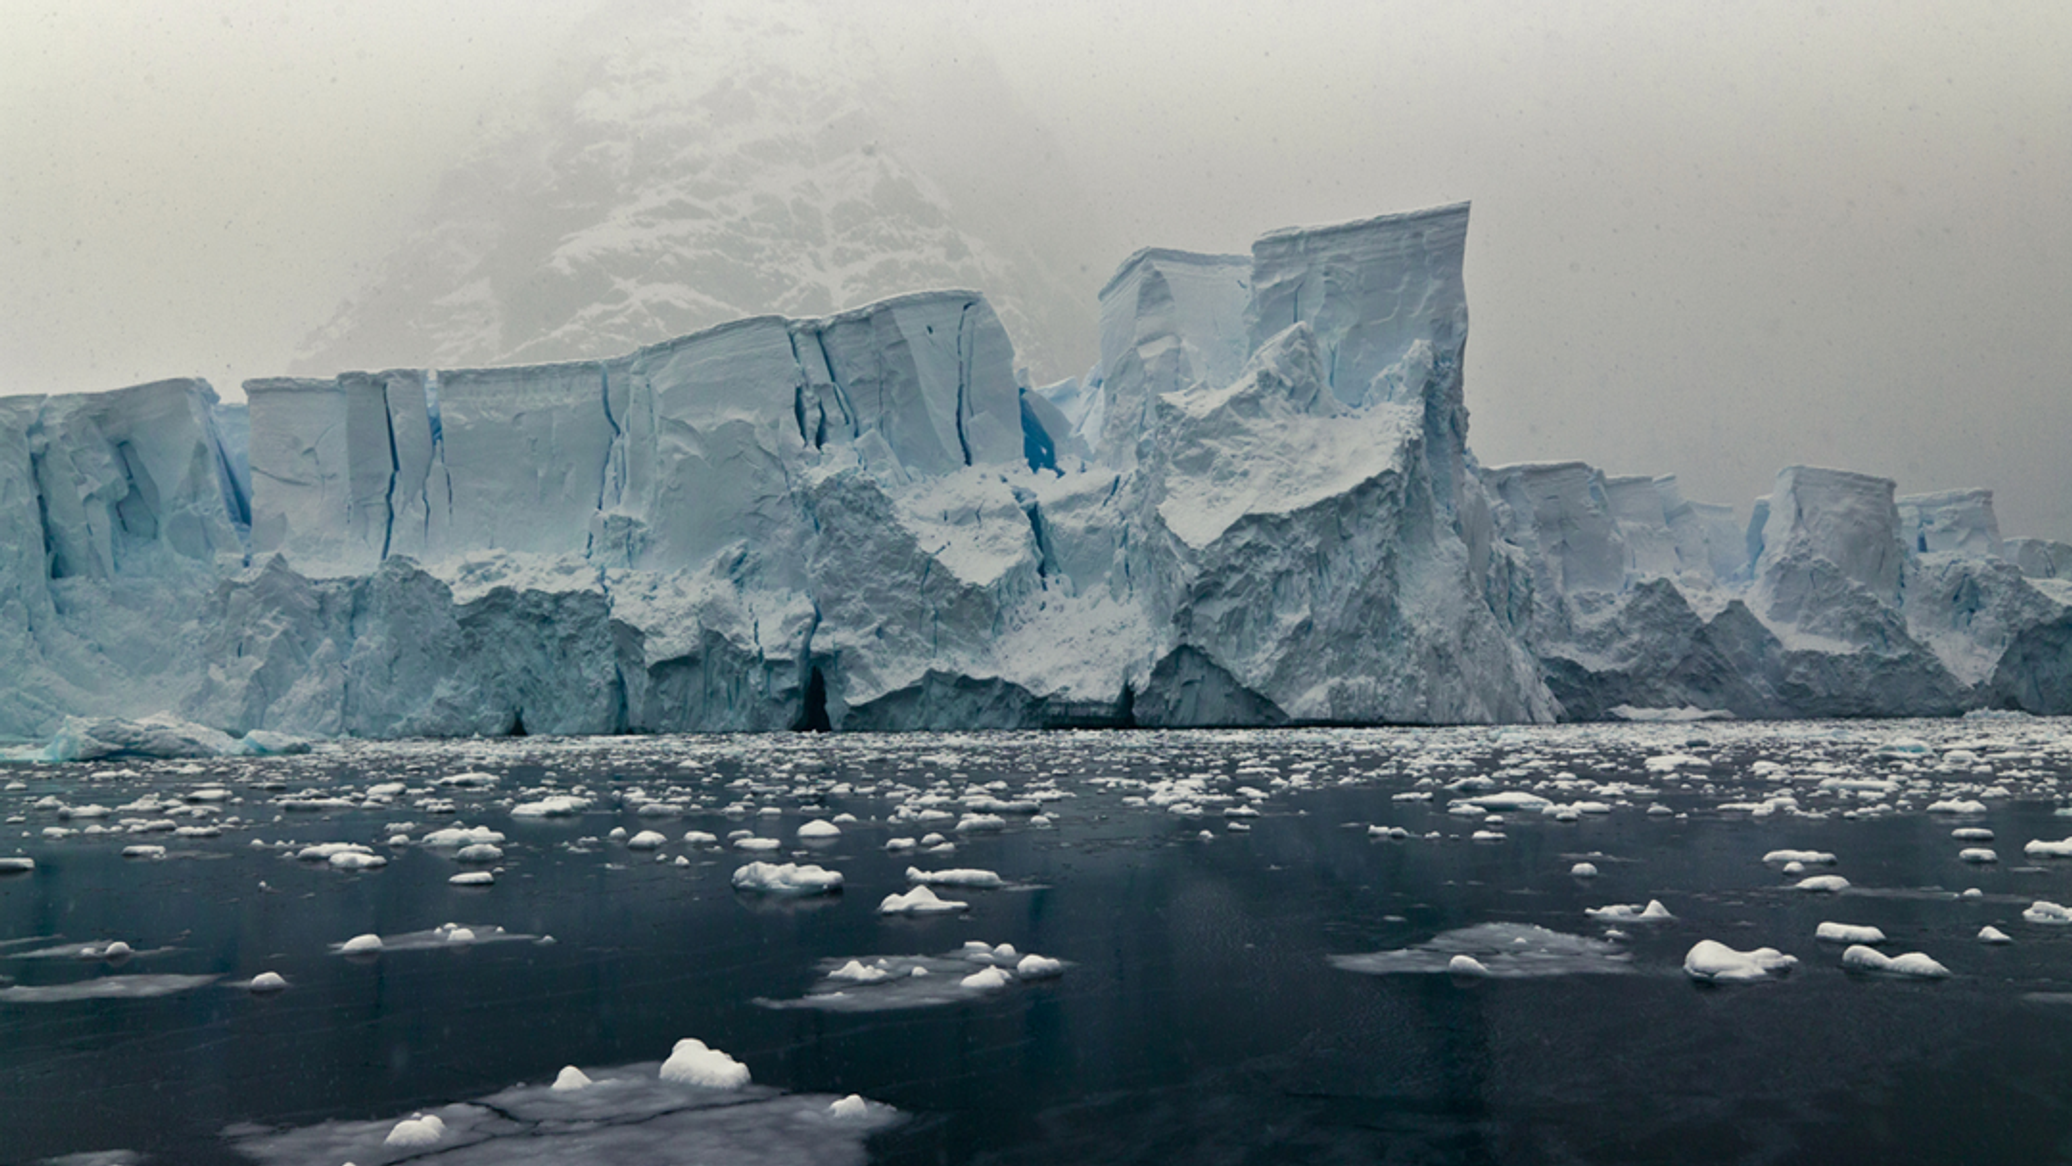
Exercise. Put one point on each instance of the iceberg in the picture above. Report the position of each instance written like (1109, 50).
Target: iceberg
(1260, 508)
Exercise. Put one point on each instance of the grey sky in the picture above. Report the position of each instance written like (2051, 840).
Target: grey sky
(1707, 239)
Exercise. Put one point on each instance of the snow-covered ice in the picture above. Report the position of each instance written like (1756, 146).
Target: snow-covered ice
(691, 1062)
(1913, 963)
(1505, 951)
(1712, 961)
(786, 879)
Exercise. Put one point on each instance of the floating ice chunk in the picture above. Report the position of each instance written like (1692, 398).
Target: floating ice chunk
(1393, 832)
(479, 852)
(1467, 810)
(2045, 911)
(646, 840)
(551, 806)
(617, 834)
(116, 950)
(1466, 965)
(356, 860)
(1971, 893)
(1671, 762)
(2043, 848)
(933, 840)
(473, 878)
(986, 979)
(787, 879)
(978, 822)
(1654, 912)
(1487, 836)
(1848, 933)
(570, 1078)
(756, 845)
(1038, 967)
(1584, 870)
(819, 829)
(458, 934)
(1913, 963)
(361, 945)
(457, 835)
(848, 1108)
(1972, 834)
(899, 844)
(692, 1063)
(1712, 961)
(17, 865)
(1957, 806)
(1992, 934)
(919, 901)
(1978, 854)
(267, 982)
(412, 1132)
(1822, 883)
(1809, 857)
(143, 852)
(857, 972)
(103, 988)
(474, 779)
(982, 879)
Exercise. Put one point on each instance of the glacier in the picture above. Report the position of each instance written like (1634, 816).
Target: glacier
(1259, 508)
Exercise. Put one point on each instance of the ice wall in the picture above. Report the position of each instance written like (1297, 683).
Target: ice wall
(863, 521)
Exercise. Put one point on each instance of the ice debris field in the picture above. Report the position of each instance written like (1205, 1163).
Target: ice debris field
(634, 979)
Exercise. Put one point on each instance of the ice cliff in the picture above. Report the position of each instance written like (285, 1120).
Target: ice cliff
(1260, 508)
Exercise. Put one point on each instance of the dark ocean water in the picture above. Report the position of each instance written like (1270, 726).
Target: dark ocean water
(1200, 1018)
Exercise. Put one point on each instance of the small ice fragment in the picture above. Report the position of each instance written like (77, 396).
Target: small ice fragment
(570, 1078)
(646, 840)
(143, 852)
(1992, 934)
(267, 982)
(1913, 963)
(1972, 834)
(1630, 913)
(1848, 933)
(1584, 870)
(17, 865)
(682, 861)
(361, 944)
(1712, 961)
(1005, 951)
(1822, 883)
(700, 838)
(857, 972)
(955, 878)
(1971, 893)
(479, 852)
(618, 833)
(756, 845)
(848, 1108)
(1466, 965)
(919, 901)
(354, 860)
(1037, 967)
(932, 840)
(819, 828)
(2044, 848)
(1487, 836)
(2045, 911)
(1794, 868)
(411, 1132)
(899, 844)
(985, 979)
(1207, 836)
(1809, 857)
(116, 950)
(1977, 854)
(692, 1063)
(918, 971)
(460, 935)
(1957, 806)
(473, 878)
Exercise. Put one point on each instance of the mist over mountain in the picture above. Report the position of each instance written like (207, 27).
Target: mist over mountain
(680, 169)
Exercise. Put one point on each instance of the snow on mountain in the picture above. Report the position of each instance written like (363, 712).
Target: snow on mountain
(864, 520)
(689, 166)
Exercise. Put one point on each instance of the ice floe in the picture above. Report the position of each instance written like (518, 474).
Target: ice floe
(125, 987)
(978, 879)
(2045, 911)
(886, 983)
(1654, 912)
(1505, 950)
(445, 935)
(1822, 884)
(1992, 934)
(1848, 933)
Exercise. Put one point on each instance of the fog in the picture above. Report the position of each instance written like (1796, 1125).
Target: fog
(1708, 240)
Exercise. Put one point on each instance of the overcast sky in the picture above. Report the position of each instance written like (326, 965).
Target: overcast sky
(1707, 239)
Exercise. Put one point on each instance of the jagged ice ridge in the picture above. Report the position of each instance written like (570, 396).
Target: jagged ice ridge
(1258, 508)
